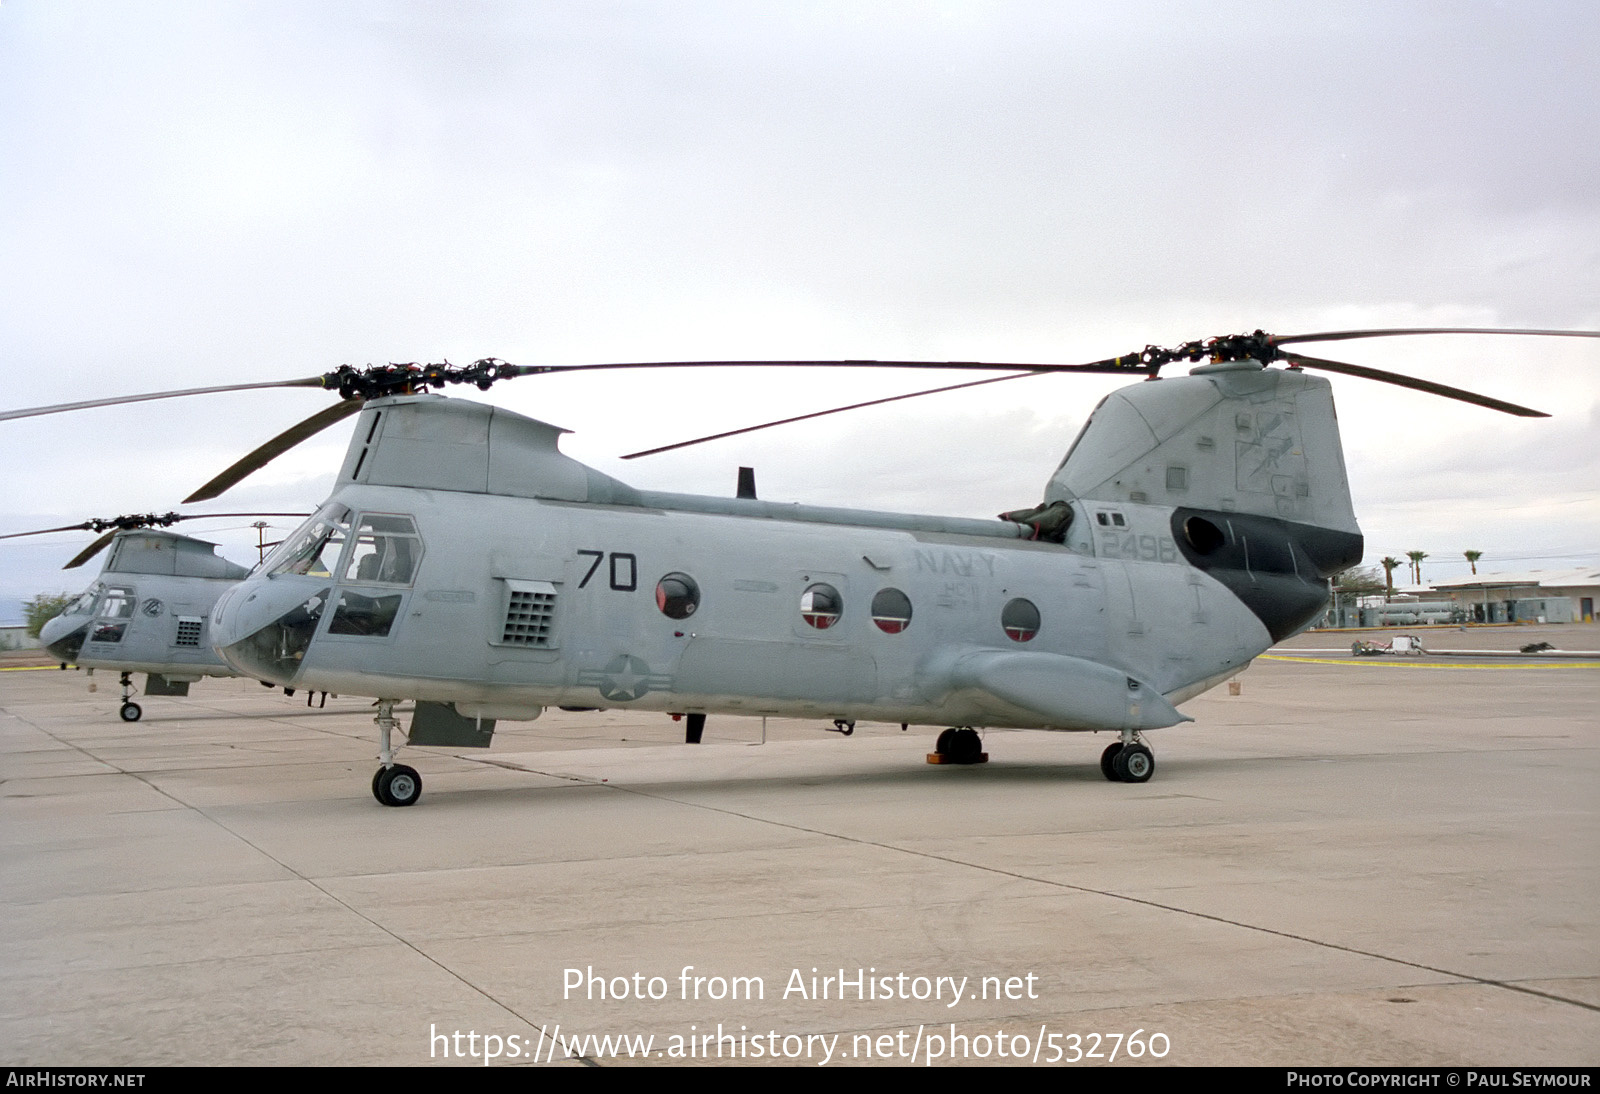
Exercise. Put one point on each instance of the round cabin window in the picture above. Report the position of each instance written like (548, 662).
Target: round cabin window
(677, 595)
(1020, 620)
(891, 611)
(821, 606)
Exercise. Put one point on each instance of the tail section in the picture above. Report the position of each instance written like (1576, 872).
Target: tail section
(1249, 462)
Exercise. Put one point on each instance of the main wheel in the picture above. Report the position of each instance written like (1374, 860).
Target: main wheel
(1134, 764)
(943, 744)
(398, 785)
(1107, 758)
(130, 712)
(965, 745)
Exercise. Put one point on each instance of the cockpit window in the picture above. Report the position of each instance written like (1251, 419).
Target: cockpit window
(313, 550)
(386, 551)
(84, 604)
(118, 603)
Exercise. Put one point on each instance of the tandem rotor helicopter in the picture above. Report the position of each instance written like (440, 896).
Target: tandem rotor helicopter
(148, 609)
(465, 563)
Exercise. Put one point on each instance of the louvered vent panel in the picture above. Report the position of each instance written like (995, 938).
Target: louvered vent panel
(188, 631)
(529, 618)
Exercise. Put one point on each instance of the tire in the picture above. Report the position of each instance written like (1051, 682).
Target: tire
(965, 746)
(399, 785)
(1107, 758)
(131, 712)
(945, 742)
(1134, 764)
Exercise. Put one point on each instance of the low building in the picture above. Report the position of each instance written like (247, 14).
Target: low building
(1532, 596)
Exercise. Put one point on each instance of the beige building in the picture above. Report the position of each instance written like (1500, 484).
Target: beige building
(1527, 596)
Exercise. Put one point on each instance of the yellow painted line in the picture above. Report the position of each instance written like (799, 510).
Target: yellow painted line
(1377, 663)
(28, 668)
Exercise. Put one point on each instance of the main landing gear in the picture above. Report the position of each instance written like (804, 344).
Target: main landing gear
(393, 784)
(130, 711)
(958, 745)
(1128, 760)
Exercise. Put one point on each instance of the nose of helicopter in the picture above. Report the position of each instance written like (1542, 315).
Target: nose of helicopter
(63, 636)
(263, 627)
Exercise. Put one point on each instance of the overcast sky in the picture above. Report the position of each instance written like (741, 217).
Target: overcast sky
(216, 192)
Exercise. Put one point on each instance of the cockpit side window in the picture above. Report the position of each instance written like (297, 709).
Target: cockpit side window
(386, 552)
(118, 603)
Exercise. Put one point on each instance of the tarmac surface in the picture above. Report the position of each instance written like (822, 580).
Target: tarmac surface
(1364, 861)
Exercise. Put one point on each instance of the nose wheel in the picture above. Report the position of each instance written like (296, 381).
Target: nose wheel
(397, 785)
(130, 711)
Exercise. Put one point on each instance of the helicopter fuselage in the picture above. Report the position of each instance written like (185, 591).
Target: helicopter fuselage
(508, 605)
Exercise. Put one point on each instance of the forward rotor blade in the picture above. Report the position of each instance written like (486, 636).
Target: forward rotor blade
(1128, 364)
(90, 551)
(824, 413)
(275, 448)
(1412, 382)
(59, 408)
(46, 531)
(1396, 332)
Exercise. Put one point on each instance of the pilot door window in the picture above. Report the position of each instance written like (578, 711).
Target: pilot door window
(385, 553)
(115, 608)
(385, 550)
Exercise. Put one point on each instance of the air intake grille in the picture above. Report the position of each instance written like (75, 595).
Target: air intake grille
(188, 631)
(529, 618)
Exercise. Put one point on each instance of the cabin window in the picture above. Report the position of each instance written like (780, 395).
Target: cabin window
(1020, 619)
(677, 595)
(891, 611)
(821, 605)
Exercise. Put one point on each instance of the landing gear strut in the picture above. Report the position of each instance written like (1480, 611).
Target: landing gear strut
(958, 745)
(1128, 760)
(393, 784)
(130, 710)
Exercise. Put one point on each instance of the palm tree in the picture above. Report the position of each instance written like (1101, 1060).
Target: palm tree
(1390, 565)
(1416, 558)
(1472, 559)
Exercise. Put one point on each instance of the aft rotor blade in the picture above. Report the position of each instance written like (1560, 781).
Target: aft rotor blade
(90, 551)
(1396, 332)
(59, 408)
(825, 413)
(1415, 384)
(276, 447)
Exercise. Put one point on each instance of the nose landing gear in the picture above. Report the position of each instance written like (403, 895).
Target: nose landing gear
(130, 711)
(392, 784)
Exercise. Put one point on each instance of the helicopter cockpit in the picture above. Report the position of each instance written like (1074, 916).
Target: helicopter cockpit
(363, 565)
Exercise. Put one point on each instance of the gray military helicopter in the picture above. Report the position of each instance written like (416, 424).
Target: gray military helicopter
(149, 609)
(464, 562)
